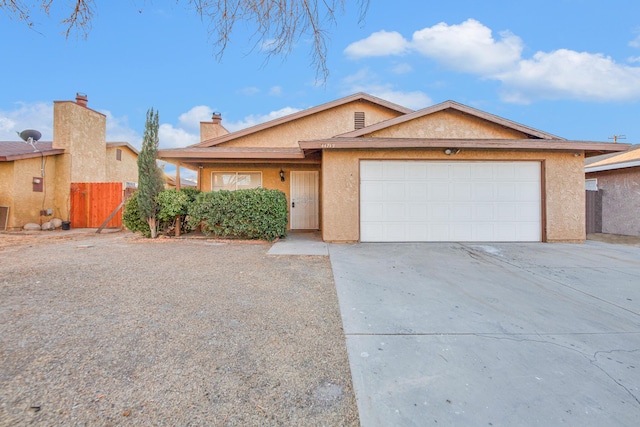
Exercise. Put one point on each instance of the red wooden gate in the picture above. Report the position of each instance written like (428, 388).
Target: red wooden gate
(93, 202)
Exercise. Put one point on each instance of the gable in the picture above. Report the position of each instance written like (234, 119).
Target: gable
(323, 124)
(448, 124)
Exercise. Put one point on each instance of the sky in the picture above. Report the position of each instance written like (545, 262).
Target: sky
(567, 67)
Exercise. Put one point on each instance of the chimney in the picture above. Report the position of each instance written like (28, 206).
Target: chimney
(212, 129)
(81, 99)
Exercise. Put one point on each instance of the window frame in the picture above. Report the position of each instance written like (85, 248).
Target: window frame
(236, 181)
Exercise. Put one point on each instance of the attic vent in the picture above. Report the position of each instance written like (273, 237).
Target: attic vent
(358, 120)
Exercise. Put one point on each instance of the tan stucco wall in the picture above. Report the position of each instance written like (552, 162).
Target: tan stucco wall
(124, 170)
(270, 177)
(324, 124)
(6, 188)
(620, 200)
(209, 130)
(563, 184)
(17, 188)
(81, 132)
(449, 124)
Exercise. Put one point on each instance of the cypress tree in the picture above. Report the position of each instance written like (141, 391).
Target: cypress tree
(150, 178)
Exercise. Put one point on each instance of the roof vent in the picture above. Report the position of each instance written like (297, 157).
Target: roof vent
(358, 120)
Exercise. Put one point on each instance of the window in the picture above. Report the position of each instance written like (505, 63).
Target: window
(235, 180)
(358, 120)
(118, 154)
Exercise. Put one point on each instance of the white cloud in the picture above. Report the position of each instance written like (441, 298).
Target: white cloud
(560, 74)
(367, 81)
(36, 115)
(468, 47)
(381, 43)
(249, 91)
(402, 68)
(253, 120)
(275, 91)
(568, 74)
(172, 137)
(192, 118)
(118, 130)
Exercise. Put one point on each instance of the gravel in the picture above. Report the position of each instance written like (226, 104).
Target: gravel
(119, 330)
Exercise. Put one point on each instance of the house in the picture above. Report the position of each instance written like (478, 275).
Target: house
(613, 193)
(38, 178)
(365, 169)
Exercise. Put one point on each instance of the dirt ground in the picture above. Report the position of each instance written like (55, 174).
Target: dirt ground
(113, 329)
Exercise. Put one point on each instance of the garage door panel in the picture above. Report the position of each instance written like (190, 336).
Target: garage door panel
(450, 201)
(370, 170)
(372, 191)
(461, 191)
(483, 191)
(394, 212)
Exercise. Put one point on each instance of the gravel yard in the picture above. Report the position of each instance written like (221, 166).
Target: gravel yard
(113, 329)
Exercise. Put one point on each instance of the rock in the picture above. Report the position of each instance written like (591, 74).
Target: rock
(32, 226)
(57, 222)
(48, 226)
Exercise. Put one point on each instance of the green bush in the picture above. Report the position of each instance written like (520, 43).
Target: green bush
(246, 214)
(172, 203)
(132, 219)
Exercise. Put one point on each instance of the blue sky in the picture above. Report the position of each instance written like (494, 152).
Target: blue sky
(567, 67)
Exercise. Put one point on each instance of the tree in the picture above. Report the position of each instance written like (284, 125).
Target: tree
(150, 176)
(278, 24)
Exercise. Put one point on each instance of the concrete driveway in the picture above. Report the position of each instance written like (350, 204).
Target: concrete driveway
(492, 334)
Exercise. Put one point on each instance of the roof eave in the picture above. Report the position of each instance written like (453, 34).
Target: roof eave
(612, 166)
(34, 154)
(589, 147)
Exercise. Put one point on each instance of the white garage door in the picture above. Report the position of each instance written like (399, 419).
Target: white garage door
(427, 201)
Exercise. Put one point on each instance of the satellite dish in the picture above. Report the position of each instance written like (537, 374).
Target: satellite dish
(30, 134)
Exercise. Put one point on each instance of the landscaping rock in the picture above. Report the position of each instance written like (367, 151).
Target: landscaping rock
(31, 226)
(57, 222)
(48, 226)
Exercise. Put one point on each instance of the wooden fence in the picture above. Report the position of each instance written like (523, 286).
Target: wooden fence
(93, 202)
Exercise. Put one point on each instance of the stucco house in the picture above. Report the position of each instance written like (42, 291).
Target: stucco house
(36, 180)
(365, 169)
(613, 193)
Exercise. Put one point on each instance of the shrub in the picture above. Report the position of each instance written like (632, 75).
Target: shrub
(132, 218)
(174, 204)
(246, 214)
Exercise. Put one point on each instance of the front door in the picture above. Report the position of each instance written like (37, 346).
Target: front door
(304, 200)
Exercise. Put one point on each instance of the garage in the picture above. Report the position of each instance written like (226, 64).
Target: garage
(443, 201)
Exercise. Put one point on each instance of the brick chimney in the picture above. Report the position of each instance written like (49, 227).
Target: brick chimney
(212, 129)
(81, 99)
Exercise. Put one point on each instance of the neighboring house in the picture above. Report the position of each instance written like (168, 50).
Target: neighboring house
(364, 169)
(613, 193)
(170, 182)
(36, 180)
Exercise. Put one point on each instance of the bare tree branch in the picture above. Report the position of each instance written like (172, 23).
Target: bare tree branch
(278, 24)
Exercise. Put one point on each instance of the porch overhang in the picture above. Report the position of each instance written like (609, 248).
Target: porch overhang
(195, 157)
(589, 148)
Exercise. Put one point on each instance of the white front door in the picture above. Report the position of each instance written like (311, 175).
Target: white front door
(304, 200)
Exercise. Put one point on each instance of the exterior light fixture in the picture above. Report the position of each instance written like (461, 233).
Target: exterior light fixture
(281, 175)
(451, 151)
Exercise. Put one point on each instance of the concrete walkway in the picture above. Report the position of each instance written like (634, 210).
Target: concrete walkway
(300, 243)
(493, 334)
